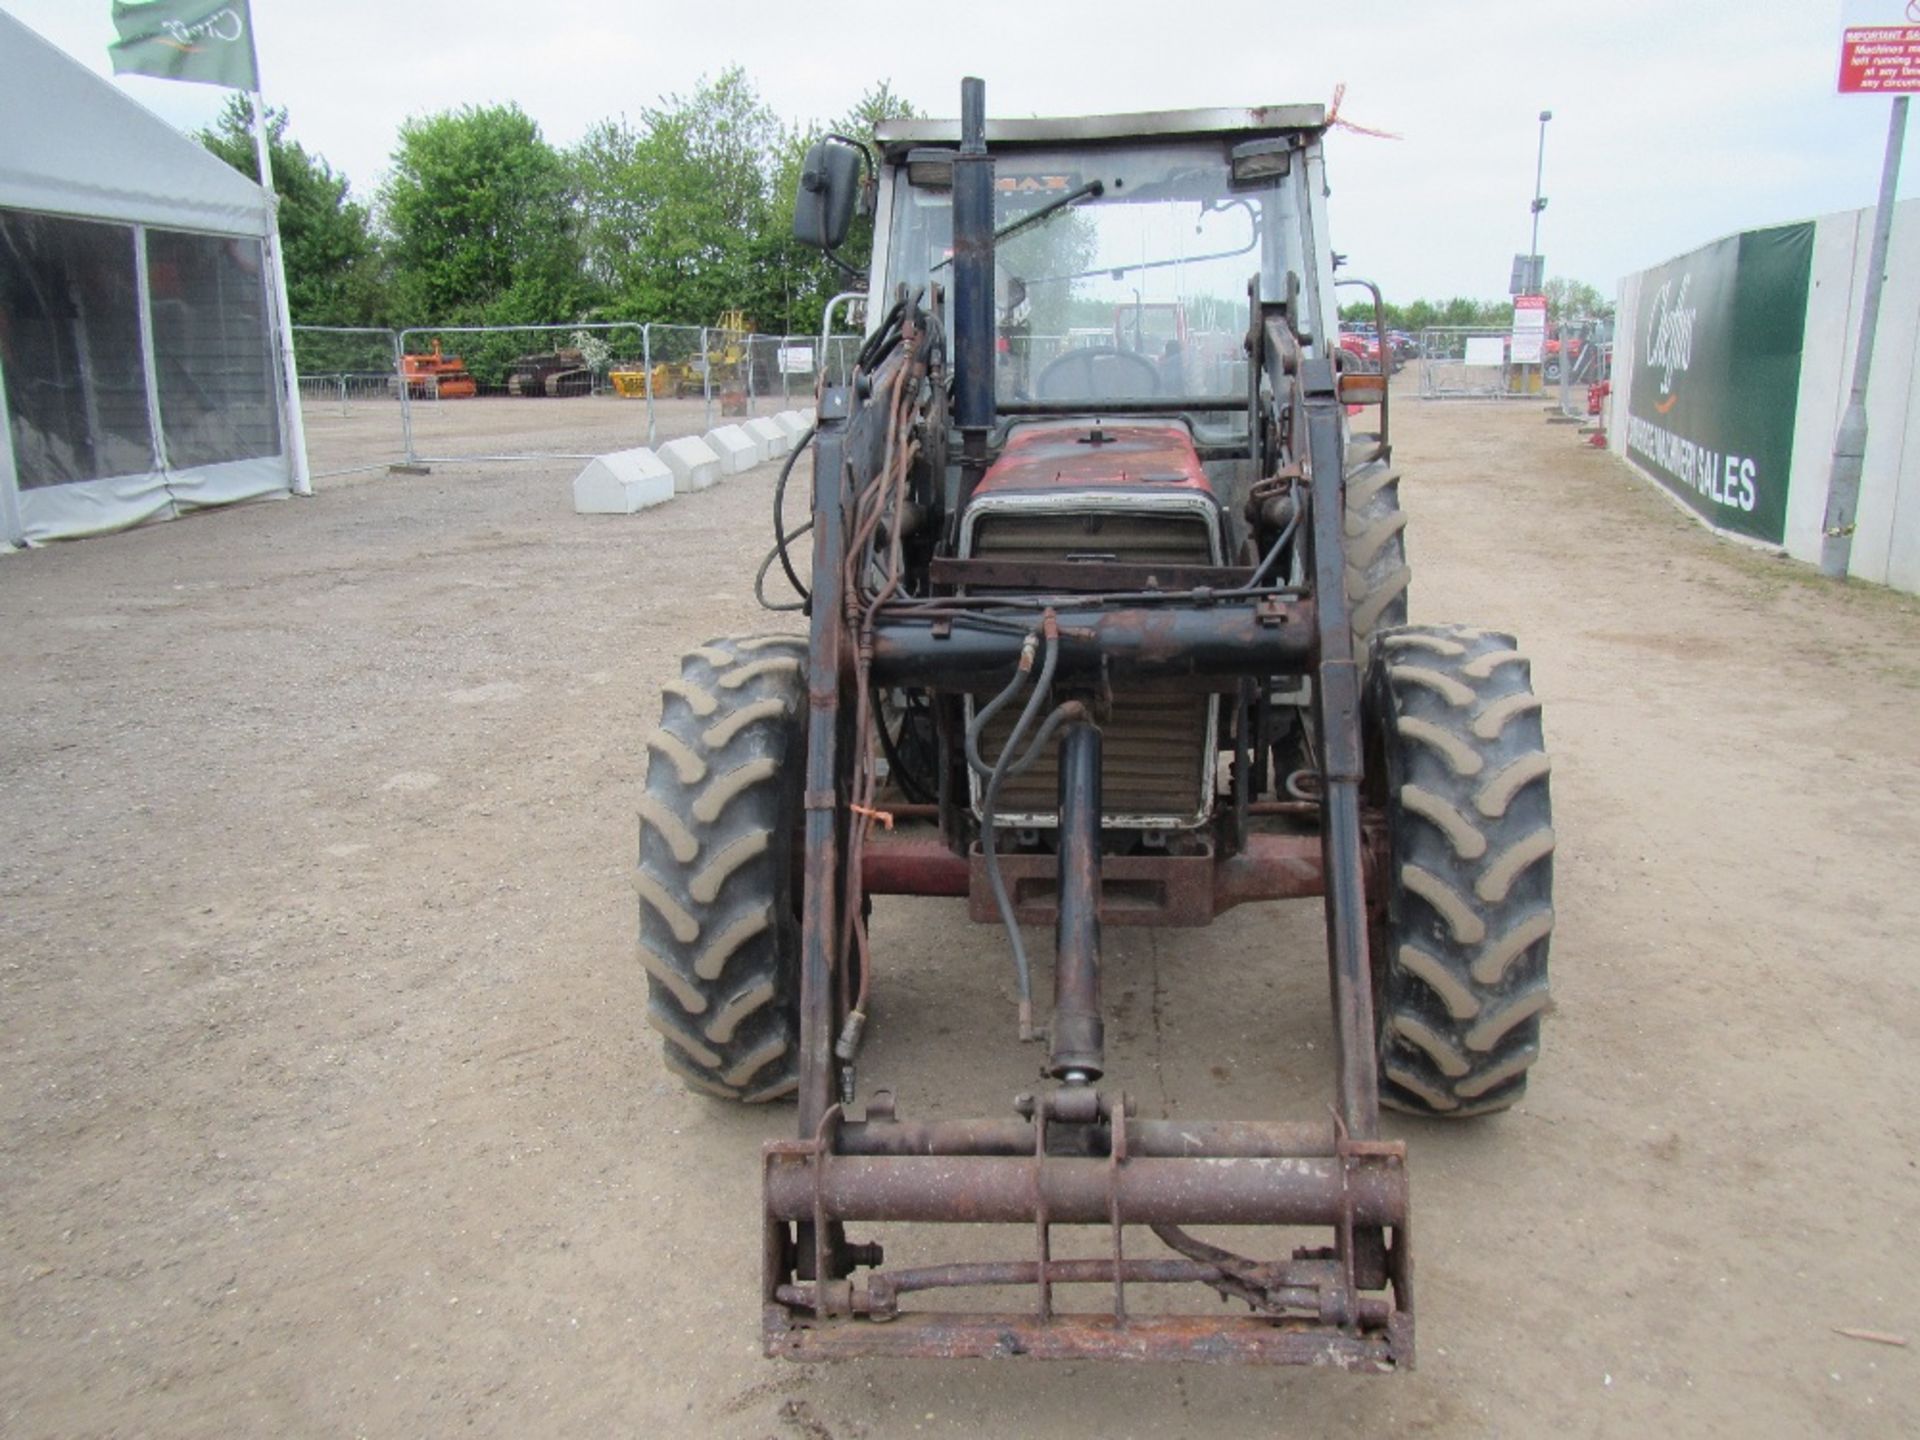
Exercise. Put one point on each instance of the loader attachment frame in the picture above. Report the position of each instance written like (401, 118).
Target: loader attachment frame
(1076, 1155)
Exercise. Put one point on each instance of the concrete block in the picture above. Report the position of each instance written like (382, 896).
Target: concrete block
(693, 462)
(736, 448)
(621, 483)
(795, 422)
(775, 439)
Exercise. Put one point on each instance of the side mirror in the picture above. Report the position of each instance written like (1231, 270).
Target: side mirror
(829, 186)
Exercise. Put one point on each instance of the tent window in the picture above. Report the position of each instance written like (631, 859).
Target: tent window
(211, 348)
(70, 348)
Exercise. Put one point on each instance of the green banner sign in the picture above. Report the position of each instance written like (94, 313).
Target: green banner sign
(1716, 376)
(208, 41)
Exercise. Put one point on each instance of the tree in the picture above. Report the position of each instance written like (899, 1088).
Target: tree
(1575, 300)
(335, 273)
(1414, 316)
(677, 209)
(688, 212)
(1566, 299)
(481, 211)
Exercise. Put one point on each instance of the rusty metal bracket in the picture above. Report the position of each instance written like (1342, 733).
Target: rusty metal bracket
(1042, 1230)
(822, 1150)
(1081, 1166)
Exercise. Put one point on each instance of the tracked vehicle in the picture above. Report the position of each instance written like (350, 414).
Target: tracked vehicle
(1096, 640)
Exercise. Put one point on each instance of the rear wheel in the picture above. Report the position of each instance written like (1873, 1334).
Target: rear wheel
(1460, 951)
(1378, 578)
(719, 919)
(1378, 575)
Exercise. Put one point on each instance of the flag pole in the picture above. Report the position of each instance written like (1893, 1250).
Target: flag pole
(296, 436)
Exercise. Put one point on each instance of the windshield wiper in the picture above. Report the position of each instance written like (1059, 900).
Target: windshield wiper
(1093, 189)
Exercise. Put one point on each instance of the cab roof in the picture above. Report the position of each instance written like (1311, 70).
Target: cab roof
(1247, 122)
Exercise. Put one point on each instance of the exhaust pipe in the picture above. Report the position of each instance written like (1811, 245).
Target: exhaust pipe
(973, 309)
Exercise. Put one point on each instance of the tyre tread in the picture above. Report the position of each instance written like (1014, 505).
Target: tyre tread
(1378, 576)
(1463, 950)
(718, 940)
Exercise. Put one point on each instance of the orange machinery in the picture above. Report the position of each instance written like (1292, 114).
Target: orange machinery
(437, 376)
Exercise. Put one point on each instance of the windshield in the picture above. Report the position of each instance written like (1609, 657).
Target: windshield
(1137, 288)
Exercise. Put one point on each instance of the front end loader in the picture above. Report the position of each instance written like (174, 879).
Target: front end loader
(1095, 637)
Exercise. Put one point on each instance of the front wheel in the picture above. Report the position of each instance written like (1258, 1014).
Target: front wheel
(719, 919)
(1457, 762)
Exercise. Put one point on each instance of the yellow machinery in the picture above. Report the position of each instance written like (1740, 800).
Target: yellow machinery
(728, 360)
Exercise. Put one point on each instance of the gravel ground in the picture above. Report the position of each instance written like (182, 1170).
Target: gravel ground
(325, 1107)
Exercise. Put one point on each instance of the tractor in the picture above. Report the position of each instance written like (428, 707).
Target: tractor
(1092, 641)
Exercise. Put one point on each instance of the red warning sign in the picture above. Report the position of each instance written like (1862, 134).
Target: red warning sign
(1880, 47)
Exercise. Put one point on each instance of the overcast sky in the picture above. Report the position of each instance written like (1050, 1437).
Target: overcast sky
(1675, 121)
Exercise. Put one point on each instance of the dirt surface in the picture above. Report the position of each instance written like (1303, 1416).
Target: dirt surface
(325, 1107)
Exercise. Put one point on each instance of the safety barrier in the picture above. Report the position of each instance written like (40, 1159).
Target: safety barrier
(376, 398)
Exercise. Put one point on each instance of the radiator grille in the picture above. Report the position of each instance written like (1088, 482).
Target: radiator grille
(1131, 537)
(1157, 745)
(1150, 758)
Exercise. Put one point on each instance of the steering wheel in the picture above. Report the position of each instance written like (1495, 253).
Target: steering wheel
(1097, 372)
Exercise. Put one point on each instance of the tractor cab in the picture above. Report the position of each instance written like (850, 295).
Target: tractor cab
(1149, 227)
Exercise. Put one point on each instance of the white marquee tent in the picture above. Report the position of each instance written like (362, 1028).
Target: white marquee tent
(138, 374)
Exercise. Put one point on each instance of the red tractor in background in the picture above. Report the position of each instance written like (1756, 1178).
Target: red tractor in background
(1366, 352)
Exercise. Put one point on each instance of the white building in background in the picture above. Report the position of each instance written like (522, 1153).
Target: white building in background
(138, 375)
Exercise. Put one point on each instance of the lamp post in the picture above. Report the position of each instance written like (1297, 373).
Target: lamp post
(1850, 444)
(1539, 200)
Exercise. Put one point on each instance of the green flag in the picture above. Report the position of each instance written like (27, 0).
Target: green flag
(208, 41)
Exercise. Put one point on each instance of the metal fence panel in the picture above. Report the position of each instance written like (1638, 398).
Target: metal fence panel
(682, 381)
(349, 398)
(838, 360)
(1466, 363)
(372, 398)
(529, 391)
(770, 388)
(729, 373)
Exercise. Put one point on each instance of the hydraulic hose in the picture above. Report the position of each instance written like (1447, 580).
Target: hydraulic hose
(760, 575)
(993, 707)
(996, 882)
(780, 533)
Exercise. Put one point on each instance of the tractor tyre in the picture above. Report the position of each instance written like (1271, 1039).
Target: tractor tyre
(719, 916)
(1456, 759)
(1377, 570)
